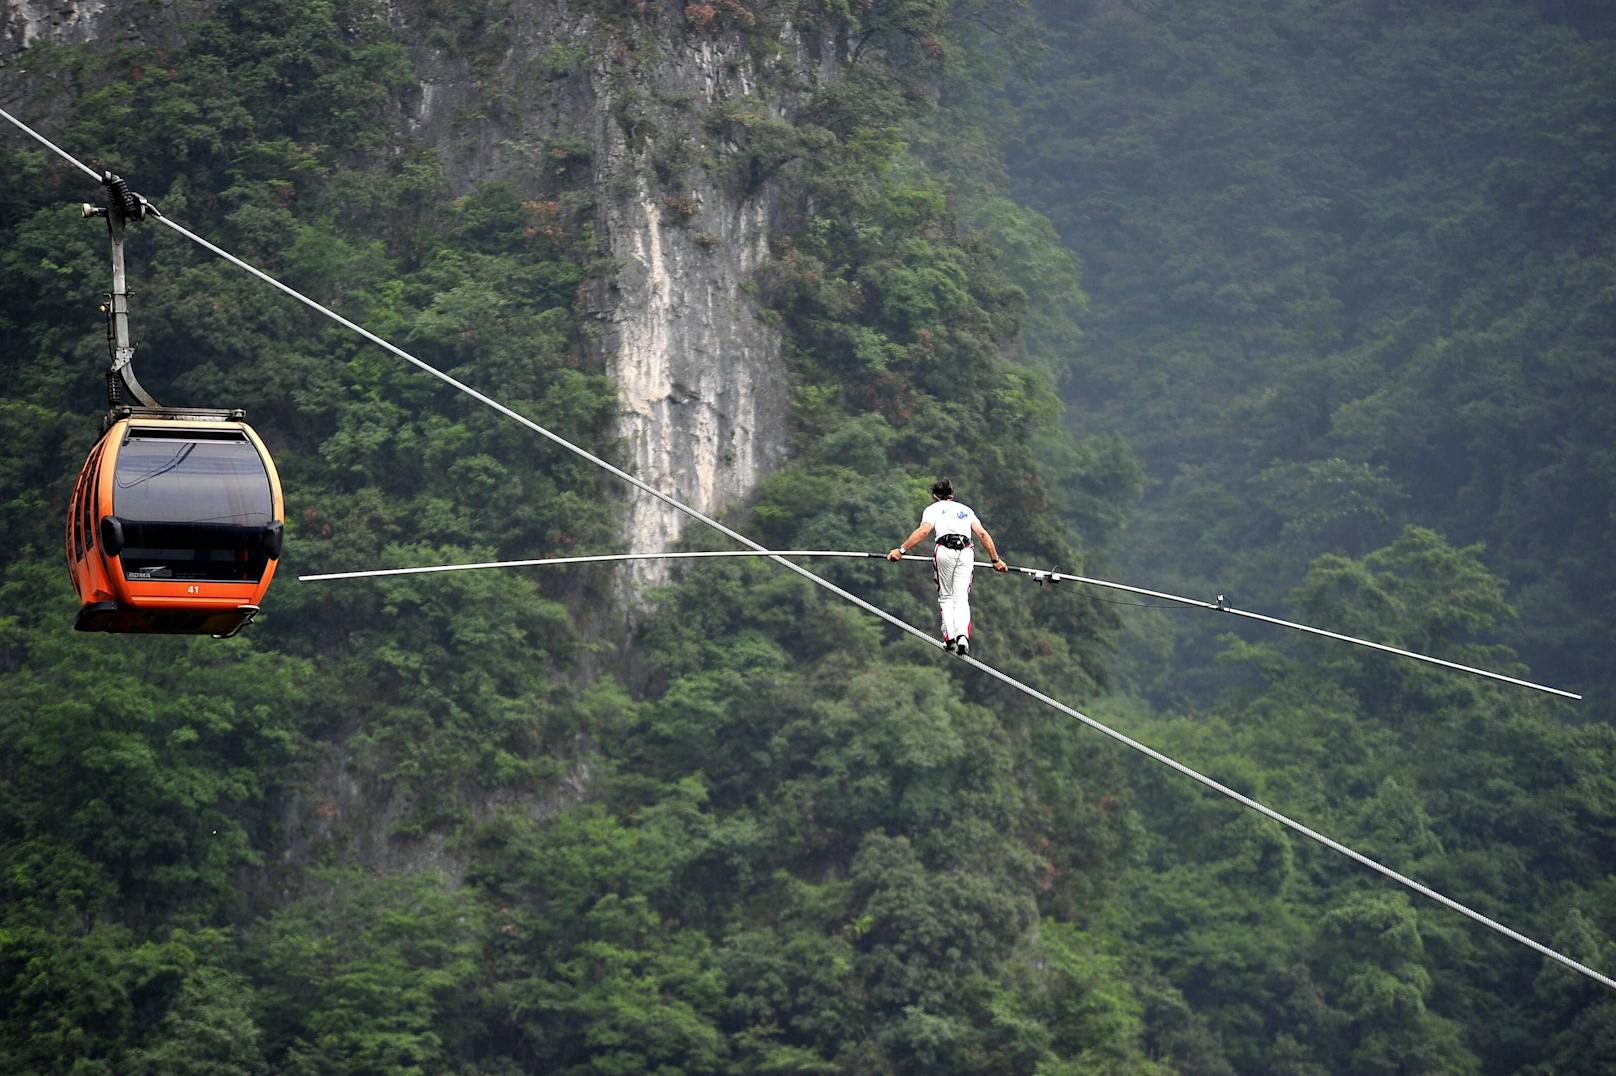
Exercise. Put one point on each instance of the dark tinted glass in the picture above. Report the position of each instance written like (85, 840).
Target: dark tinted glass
(184, 481)
(84, 506)
(192, 509)
(76, 521)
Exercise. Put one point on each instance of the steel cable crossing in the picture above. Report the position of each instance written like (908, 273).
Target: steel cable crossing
(923, 636)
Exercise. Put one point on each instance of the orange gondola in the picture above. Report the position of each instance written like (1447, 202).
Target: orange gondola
(176, 520)
(175, 525)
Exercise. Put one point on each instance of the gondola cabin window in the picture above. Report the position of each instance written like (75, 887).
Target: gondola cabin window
(191, 507)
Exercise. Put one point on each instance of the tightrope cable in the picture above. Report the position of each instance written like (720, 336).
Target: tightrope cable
(874, 610)
(1039, 574)
(597, 558)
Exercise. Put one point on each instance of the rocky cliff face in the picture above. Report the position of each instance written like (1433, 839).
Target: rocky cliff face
(28, 21)
(648, 102)
(701, 372)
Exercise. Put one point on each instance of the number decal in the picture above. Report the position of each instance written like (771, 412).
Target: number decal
(193, 589)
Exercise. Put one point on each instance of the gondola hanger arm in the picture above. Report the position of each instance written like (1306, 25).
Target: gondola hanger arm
(123, 207)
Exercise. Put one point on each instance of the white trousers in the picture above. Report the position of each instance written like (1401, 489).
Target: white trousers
(953, 570)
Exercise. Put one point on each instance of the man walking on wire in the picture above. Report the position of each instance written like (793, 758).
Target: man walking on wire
(952, 560)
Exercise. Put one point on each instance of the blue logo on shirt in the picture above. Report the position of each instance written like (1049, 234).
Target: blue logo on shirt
(961, 515)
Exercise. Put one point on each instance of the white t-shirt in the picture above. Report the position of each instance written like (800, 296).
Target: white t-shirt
(949, 517)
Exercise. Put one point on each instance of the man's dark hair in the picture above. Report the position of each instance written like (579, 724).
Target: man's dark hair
(942, 489)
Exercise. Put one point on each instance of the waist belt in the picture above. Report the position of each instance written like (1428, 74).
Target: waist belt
(954, 541)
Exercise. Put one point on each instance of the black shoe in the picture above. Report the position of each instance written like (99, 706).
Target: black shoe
(962, 646)
(948, 645)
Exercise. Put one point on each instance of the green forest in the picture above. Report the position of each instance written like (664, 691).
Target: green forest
(1309, 303)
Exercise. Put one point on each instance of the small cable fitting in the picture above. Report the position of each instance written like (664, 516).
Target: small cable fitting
(132, 205)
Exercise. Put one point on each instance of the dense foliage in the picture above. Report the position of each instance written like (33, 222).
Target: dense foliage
(439, 826)
(1349, 269)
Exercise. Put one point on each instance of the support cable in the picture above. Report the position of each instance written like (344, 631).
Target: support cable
(882, 614)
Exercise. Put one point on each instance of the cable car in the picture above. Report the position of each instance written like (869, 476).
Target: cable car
(175, 525)
(176, 520)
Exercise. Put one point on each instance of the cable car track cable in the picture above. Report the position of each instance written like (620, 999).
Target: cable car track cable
(902, 625)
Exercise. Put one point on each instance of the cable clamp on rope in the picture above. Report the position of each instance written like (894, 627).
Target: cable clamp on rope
(131, 204)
